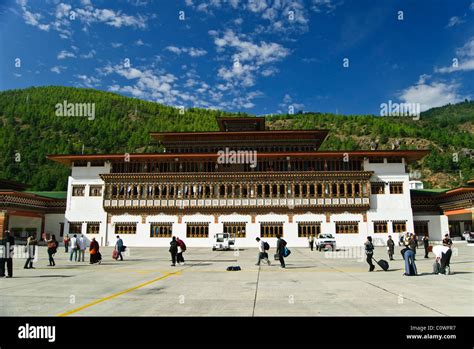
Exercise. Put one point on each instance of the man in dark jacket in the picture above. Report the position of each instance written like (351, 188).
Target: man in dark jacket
(369, 252)
(6, 254)
(280, 250)
(426, 244)
(173, 251)
(390, 247)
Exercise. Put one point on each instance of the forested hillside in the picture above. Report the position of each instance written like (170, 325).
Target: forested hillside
(30, 129)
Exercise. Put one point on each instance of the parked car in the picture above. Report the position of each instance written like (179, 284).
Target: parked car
(325, 241)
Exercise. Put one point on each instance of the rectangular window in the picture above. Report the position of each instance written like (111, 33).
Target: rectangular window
(125, 228)
(161, 230)
(271, 229)
(95, 190)
(197, 230)
(376, 160)
(306, 229)
(399, 227)
(396, 188)
(78, 190)
(347, 228)
(75, 228)
(235, 229)
(93, 228)
(377, 188)
(380, 227)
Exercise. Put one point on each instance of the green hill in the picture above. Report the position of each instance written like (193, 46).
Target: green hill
(30, 130)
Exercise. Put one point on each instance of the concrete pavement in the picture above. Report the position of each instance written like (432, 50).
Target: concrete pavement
(314, 283)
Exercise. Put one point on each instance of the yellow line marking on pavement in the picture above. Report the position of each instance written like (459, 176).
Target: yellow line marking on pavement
(70, 312)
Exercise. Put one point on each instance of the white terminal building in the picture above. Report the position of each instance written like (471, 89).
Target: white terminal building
(291, 189)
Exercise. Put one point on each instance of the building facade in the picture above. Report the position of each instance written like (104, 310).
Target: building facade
(245, 180)
(25, 212)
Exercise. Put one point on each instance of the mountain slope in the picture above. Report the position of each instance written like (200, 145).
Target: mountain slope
(30, 129)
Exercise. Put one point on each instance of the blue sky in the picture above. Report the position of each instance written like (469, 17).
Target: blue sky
(255, 56)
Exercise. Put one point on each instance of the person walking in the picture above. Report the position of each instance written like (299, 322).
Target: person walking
(181, 249)
(369, 252)
(426, 244)
(280, 250)
(6, 254)
(119, 248)
(74, 248)
(81, 246)
(262, 251)
(30, 249)
(173, 251)
(311, 242)
(52, 249)
(390, 247)
(66, 243)
(95, 256)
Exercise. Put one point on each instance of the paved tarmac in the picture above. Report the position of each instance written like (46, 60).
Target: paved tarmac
(313, 284)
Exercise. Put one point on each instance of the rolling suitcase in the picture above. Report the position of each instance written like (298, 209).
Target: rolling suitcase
(382, 263)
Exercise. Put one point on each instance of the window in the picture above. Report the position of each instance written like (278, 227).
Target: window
(197, 230)
(377, 188)
(347, 228)
(236, 229)
(421, 228)
(271, 229)
(75, 228)
(306, 229)
(125, 228)
(380, 227)
(161, 230)
(78, 190)
(376, 160)
(399, 227)
(95, 190)
(396, 188)
(93, 228)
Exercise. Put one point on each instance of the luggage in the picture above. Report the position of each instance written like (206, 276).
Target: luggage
(233, 268)
(382, 263)
(286, 252)
(276, 257)
(115, 254)
(412, 271)
(436, 268)
(266, 246)
(99, 256)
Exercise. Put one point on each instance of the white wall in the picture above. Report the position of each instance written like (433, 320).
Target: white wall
(437, 225)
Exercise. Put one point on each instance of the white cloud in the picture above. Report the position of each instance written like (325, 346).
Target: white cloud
(430, 95)
(116, 44)
(247, 58)
(89, 55)
(87, 81)
(453, 21)
(191, 51)
(65, 54)
(58, 69)
(60, 18)
(464, 60)
(471, 7)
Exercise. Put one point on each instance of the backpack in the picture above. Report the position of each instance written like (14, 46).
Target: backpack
(183, 246)
(286, 252)
(266, 246)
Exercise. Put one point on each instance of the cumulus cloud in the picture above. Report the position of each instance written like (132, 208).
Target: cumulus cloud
(65, 54)
(191, 51)
(430, 95)
(60, 19)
